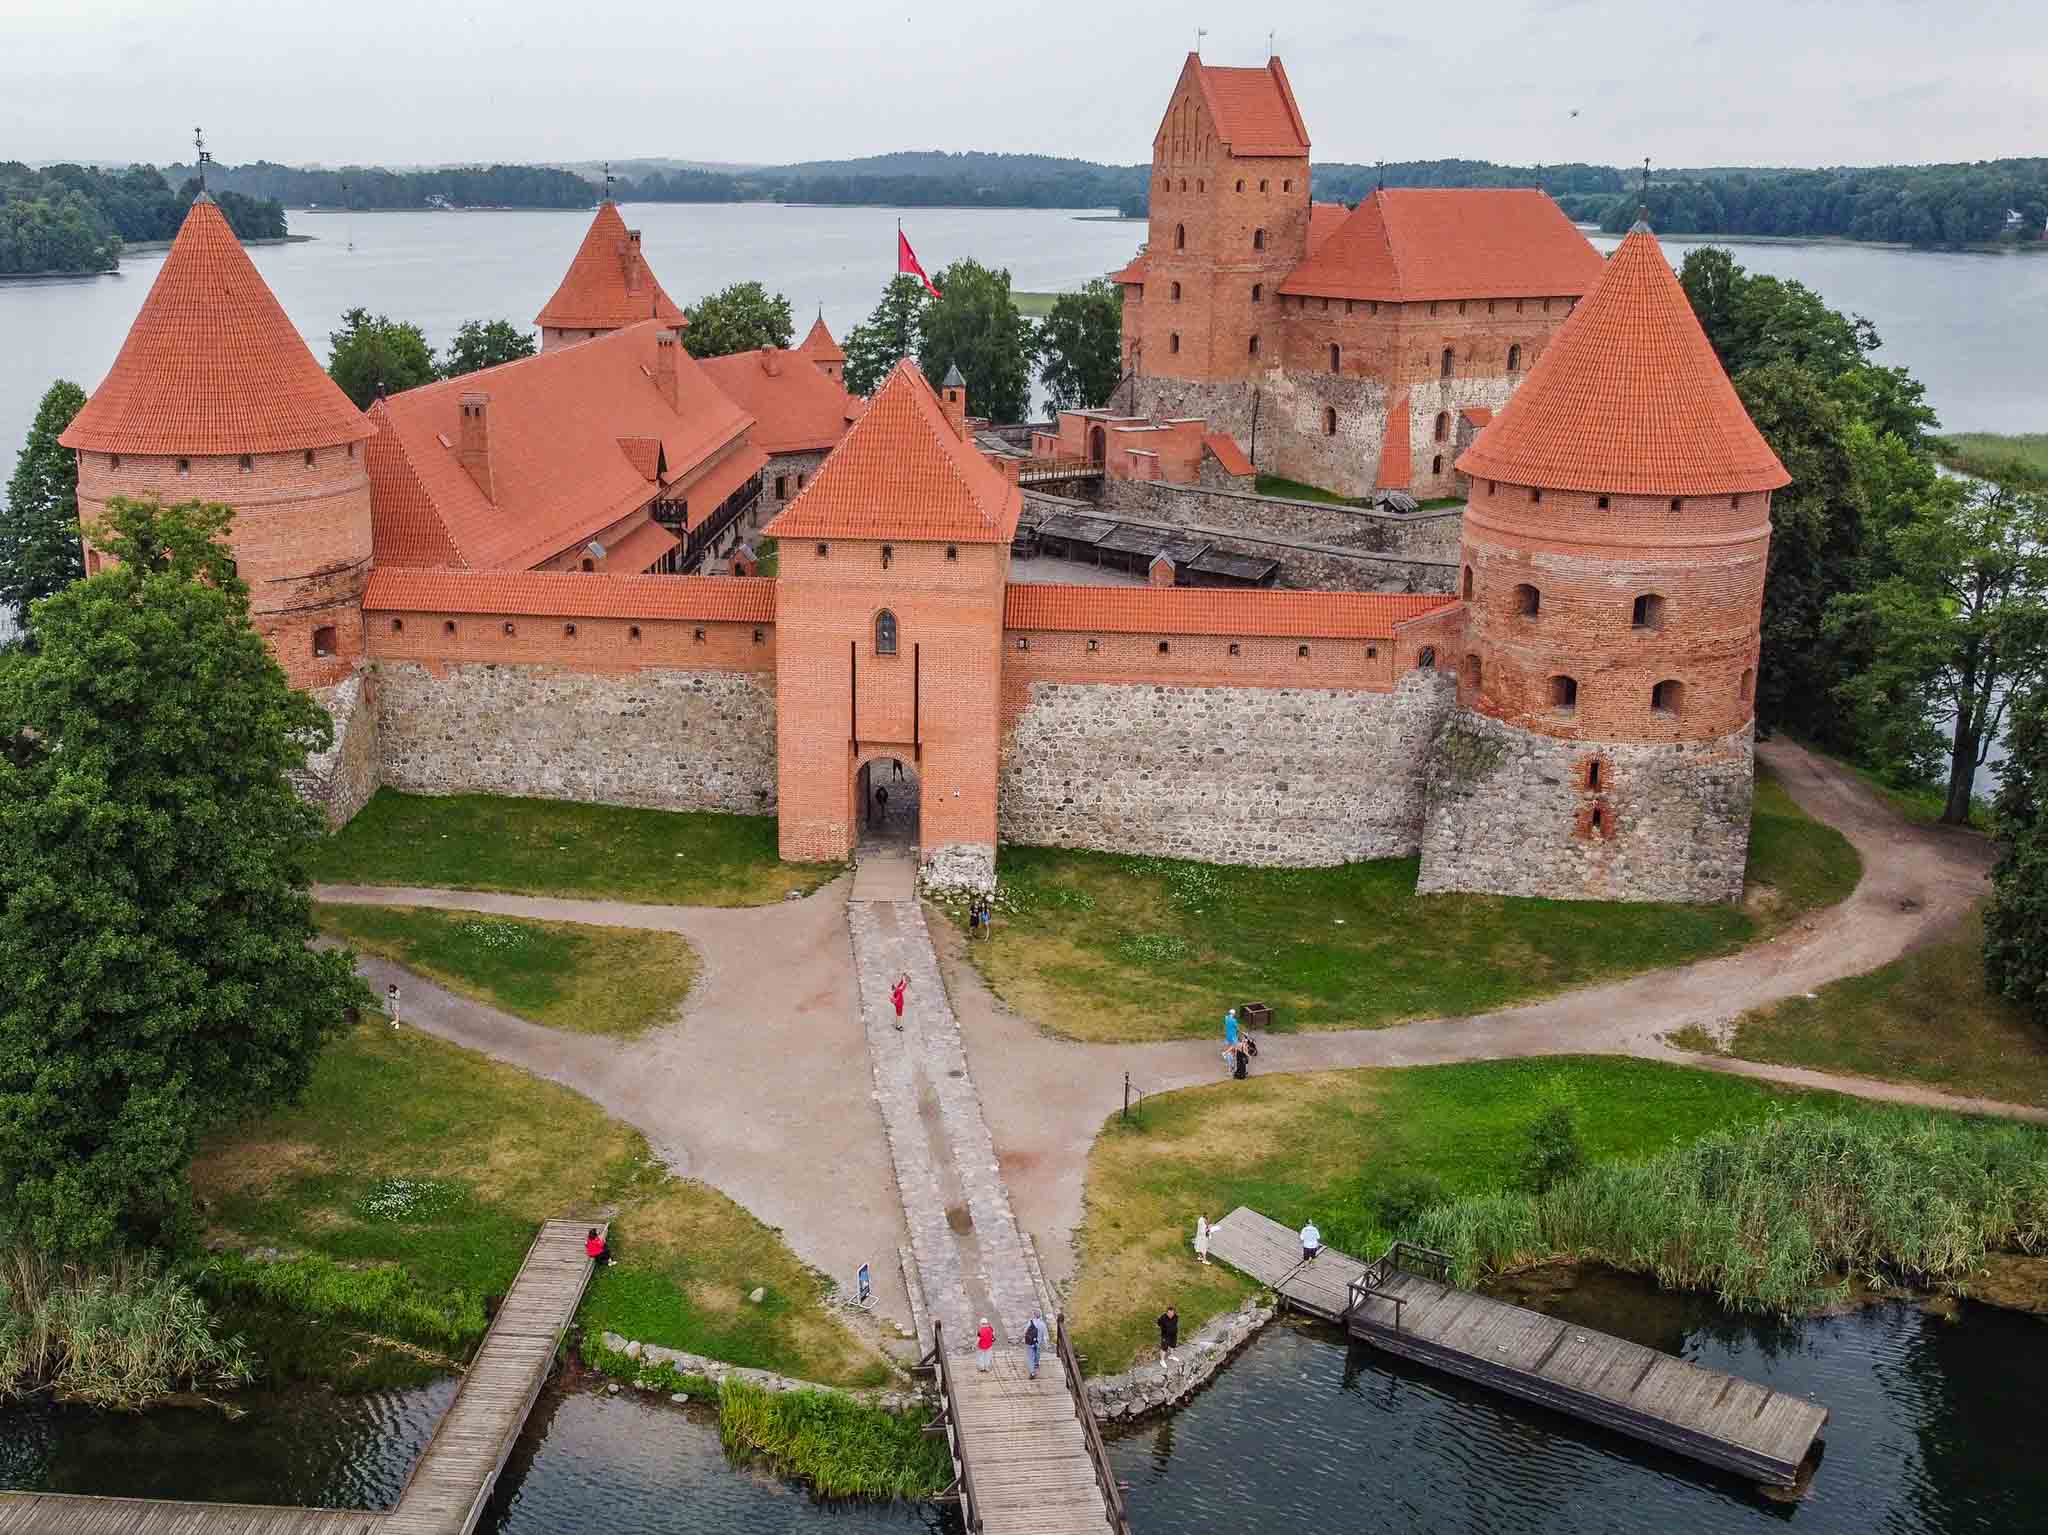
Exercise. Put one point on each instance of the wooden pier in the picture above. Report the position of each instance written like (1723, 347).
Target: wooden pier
(1719, 1419)
(453, 1479)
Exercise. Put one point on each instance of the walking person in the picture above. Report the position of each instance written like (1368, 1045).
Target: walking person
(1311, 1242)
(596, 1249)
(984, 1346)
(901, 985)
(1034, 1340)
(1202, 1237)
(1169, 1334)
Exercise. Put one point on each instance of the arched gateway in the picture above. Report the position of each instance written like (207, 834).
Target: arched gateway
(889, 632)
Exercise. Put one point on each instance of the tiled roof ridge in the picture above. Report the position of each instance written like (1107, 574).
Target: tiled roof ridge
(943, 437)
(1241, 136)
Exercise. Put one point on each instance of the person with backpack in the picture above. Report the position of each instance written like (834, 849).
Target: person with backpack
(1034, 1340)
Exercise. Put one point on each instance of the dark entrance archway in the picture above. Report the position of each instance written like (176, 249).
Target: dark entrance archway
(887, 797)
(1096, 446)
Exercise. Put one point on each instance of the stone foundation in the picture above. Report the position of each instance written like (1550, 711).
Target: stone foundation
(1149, 1388)
(341, 779)
(963, 866)
(666, 739)
(1270, 776)
(1511, 812)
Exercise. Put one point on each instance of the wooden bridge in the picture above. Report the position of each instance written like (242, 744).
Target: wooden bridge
(452, 1481)
(1404, 1303)
(1028, 1458)
(1044, 470)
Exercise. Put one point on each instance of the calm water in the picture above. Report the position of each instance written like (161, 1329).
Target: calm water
(1934, 1432)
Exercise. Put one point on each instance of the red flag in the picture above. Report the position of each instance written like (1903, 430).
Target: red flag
(906, 261)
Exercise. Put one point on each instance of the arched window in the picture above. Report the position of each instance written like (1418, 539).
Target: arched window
(1252, 349)
(1514, 359)
(1528, 600)
(1258, 293)
(1262, 186)
(1287, 186)
(1240, 183)
(1668, 697)
(1436, 465)
(1427, 660)
(1176, 293)
(1468, 583)
(1329, 421)
(1649, 612)
(1183, 183)
(1472, 673)
(1564, 694)
(1180, 237)
(1335, 355)
(1258, 239)
(885, 633)
(1450, 362)
(1443, 425)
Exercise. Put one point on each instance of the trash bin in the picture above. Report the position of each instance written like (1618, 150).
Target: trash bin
(1255, 1015)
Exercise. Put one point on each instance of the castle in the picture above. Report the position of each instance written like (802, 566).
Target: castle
(477, 577)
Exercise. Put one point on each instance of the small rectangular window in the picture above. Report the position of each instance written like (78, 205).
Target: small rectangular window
(697, 636)
(568, 631)
(398, 626)
(246, 463)
(1163, 647)
(309, 458)
(324, 641)
(1023, 643)
(823, 550)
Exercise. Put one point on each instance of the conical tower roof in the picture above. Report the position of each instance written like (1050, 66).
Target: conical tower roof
(819, 345)
(602, 290)
(211, 364)
(1628, 397)
(903, 472)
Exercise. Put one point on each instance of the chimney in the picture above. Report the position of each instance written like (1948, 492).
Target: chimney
(474, 450)
(666, 345)
(953, 397)
(636, 268)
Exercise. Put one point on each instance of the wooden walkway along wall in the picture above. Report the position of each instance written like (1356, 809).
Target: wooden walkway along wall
(1709, 1416)
(453, 1479)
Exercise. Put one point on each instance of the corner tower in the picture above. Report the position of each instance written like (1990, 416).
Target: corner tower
(1613, 575)
(825, 353)
(215, 397)
(608, 286)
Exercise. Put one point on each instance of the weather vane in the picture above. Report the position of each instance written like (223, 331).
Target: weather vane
(204, 159)
(1200, 33)
(1269, 42)
(607, 181)
(1646, 178)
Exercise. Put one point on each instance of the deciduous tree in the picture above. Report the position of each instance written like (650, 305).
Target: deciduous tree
(370, 353)
(484, 344)
(2016, 920)
(39, 551)
(976, 328)
(893, 332)
(741, 318)
(1080, 346)
(154, 976)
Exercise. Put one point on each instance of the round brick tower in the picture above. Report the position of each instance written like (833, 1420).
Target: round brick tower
(1613, 573)
(215, 397)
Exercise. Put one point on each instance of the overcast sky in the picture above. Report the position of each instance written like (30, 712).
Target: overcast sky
(1786, 82)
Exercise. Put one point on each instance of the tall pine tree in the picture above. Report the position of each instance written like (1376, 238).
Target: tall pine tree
(39, 552)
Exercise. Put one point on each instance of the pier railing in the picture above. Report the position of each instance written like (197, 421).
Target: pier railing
(948, 1423)
(1098, 1452)
(1370, 1283)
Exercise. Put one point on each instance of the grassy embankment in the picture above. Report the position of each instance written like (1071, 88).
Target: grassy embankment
(1763, 1207)
(553, 847)
(1033, 306)
(1926, 1018)
(1107, 947)
(566, 975)
(411, 1180)
(2016, 459)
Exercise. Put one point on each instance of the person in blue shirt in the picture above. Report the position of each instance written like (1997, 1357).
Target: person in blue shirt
(1230, 1027)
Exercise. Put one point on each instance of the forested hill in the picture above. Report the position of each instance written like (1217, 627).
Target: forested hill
(73, 218)
(1912, 204)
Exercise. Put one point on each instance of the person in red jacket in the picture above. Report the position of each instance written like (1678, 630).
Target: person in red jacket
(595, 1249)
(984, 1345)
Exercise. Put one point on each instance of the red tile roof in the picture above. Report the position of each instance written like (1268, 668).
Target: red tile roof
(1628, 397)
(1253, 109)
(1478, 415)
(903, 472)
(1397, 461)
(555, 422)
(608, 283)
(644, 454)
(1227, 452)
(819, 346)
(1133, 270)
(639, 548)
(571, 594)
(1324, 220)
(1414, 243)
(211, 364)
(796, 408)
(705, 491)
(1166, 610)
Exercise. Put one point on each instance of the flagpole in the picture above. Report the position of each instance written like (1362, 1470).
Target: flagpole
(903, 316)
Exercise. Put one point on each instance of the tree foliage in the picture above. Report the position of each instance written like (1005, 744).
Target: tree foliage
(74, 218)
(2016, 920)
(154, 976)
(975, 327)
(1912, 204)
(483, 344)
(373, 353)
(1080, 346)
(743, 317)
(39, 550)
(893, 332)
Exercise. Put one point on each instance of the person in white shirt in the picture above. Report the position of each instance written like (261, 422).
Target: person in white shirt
(1202, 1237)
(1311, 1241)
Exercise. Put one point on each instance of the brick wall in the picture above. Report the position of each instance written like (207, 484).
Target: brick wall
(1513, 812)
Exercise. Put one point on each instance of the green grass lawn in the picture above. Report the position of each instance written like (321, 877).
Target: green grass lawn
(567, 975)
(413, 1152)
(1295, 490)
(1927, 1017)
(1104, 946)
(1320, 1145)
(2016, 459)
(1033, 306)
(554, 847)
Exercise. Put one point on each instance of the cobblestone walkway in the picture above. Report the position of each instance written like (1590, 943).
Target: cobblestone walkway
(964, 1239)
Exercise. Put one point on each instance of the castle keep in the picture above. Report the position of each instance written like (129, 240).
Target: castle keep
(489, 582)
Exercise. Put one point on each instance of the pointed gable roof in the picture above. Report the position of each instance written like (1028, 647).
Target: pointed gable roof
(1628, 397)
(819, 346)
(609, 283)
(212, 365)
(1410, 243)
(903, 472)
(1253, 110)
(796, 408)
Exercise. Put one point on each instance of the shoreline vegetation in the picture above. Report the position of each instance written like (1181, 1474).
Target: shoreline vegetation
(2018, 460)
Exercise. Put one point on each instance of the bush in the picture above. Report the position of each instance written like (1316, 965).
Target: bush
(1399, 1202)
(1555, 1151)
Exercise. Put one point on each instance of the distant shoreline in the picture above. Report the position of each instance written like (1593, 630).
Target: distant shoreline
(1973, 248)
(164, 245)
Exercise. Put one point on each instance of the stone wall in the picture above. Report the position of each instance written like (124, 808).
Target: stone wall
(1247, 775)
(1154, 1387)
(341, 779)
(670, 739)
(1513, 812)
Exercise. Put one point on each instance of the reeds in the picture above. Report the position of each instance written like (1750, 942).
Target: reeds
(841, 1447)
(117, 1334)
(1777, 1216)
(381, 1299)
